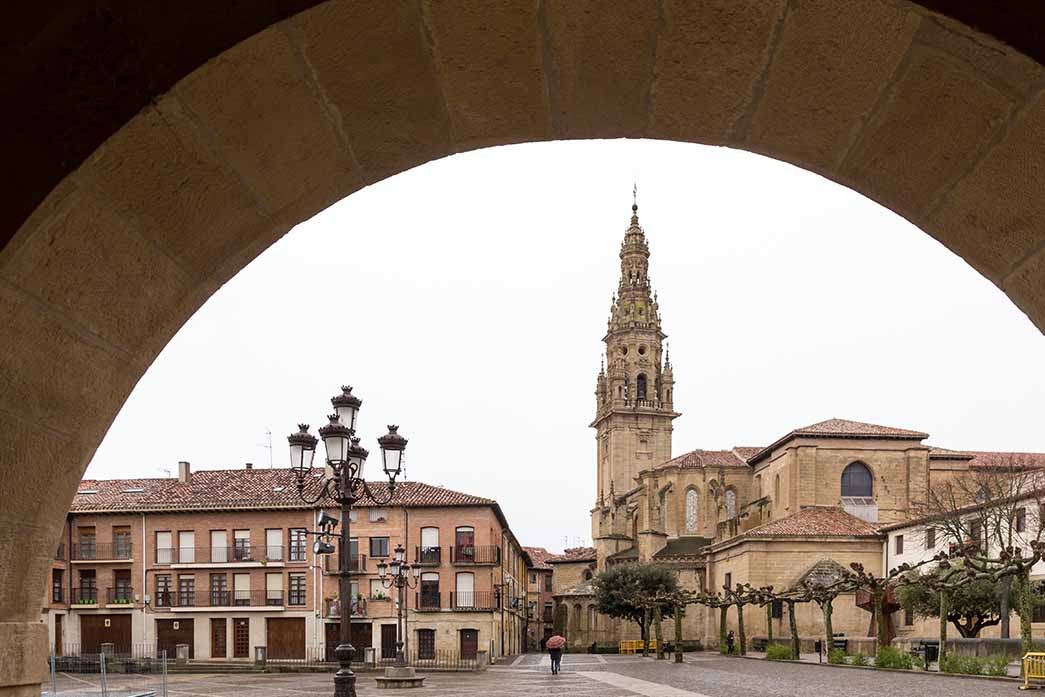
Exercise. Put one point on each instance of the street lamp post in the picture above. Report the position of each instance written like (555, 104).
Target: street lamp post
(397, 574)
(345, 485)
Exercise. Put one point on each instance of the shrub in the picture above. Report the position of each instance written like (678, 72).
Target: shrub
(918, 662)
(859, 659)
(969, 665)
(890, 657)
(997, 665)
(836, 656)
(778, 652)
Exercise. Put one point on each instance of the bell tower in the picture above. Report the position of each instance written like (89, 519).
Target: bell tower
(634, 390)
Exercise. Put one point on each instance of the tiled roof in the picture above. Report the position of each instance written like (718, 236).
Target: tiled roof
(841, 428)
(241, 489)
(704, 458)
(947, 454)
(746, 452)
(539, 556)
(629, 553)
(1002, 460)
(815, 521)
(573, 554)
(683, 547)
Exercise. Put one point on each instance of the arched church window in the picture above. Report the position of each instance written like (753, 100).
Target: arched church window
(640, 387)
(692, 510)
(664, 510)
(776, 490)
(857, 481)
(731, 504)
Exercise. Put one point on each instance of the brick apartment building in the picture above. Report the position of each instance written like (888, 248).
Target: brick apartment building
(539, 598)
(220, 560)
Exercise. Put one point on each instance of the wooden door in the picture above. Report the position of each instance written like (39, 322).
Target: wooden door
(58, 635)
(96, 630)
(469, 643)
(218, 637)
(241, 637)
(170, 633)
(388, 641)
(285, 637)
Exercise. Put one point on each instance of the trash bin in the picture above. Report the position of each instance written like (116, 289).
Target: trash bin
(932, 651)
(370, 656)
(261, 654)
(181, 651)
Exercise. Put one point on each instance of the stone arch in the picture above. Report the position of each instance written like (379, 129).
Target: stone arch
(857, 480)
(729, 502)
(213, 145)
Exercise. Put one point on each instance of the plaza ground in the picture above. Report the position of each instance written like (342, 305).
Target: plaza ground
(702, 675)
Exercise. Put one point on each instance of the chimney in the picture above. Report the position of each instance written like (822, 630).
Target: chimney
(184, 473)
(250, 465)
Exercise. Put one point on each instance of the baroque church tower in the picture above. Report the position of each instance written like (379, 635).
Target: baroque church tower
(634, 390)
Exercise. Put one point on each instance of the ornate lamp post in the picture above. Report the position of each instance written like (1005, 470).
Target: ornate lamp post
(345, 485)
(397, 574)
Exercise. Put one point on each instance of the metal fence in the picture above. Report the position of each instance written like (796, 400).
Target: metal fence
(108, 675)
(442, 659)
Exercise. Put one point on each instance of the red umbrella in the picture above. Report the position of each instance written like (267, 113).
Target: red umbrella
(555, 642)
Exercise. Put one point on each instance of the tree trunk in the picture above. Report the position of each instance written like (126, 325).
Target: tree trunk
(722, 616)
(741, 637)
(944, 603)
(657, 617)
(678, 634)
(879, 619)
(829, 629)
(1025, 607)
(1005, 604)
(769, 624)
(645, 634)
(796, 646)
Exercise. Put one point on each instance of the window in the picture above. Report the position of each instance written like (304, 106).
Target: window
(219, 546)
(776, 490)
(857, 481)
(429, 590)
(908, 615)
(547, 583)
(298, 544)
(429, 552)
(88, 586)
(56, 586)
(692, 510)
(353, 515)
(121, 539)
(240, 545)
(930, 538)
(640, 386)
(186, 591)
(296, 596)
(663, 509)
(776, 609)
(186, 547)
(464, 543)
(547, 617)
(164, 543)
(88, 544)
(219, 590)
(241, 589)
(426, 643)
(975, 533)
(274, 544)
(273, 589)
(1038, 613)
(731, 504)
(728, 582)
(379, 546)
(898, 542)
(164, 587)
(1021, 519)
(465, 590)
(378, 515)
(587, 574)
(377, 590)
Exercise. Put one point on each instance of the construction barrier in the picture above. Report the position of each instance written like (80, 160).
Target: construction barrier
(635, 646)
(1033, 668)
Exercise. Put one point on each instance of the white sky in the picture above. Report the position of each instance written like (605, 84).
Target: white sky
(466, 301)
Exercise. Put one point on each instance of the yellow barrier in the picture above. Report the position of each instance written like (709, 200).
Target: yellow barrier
(1033, 668)
(635, 646)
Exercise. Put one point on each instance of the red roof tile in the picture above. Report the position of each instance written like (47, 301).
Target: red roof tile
(815, 521)
(240, 489)
(1002, 460)
(841, 428)
(539, 557)
(703, 458)
(573, 554)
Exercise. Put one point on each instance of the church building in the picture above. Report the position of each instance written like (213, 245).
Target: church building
(811, 502)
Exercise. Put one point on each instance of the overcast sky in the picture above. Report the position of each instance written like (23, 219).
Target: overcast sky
(466, 301)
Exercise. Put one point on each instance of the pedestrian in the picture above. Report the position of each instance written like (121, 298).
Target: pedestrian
(729, 643)
(555, 645)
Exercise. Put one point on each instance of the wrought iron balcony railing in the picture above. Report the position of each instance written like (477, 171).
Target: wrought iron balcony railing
(235, 554)
(101, 551)
(475, 554)
(428, 556)
(428, 601)
(474, 600)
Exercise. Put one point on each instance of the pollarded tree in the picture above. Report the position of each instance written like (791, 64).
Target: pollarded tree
(622, 592)
(970, 606)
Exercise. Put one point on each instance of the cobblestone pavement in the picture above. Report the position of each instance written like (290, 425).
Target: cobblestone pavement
(703, 675)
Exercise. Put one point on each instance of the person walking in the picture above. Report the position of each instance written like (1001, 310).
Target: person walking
(555, 644)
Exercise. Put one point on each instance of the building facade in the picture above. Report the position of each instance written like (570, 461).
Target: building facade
(812, 502)
(222, 561)
(540, 604)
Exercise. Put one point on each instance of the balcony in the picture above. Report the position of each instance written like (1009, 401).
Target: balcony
(477, 601)
(428, 556)
(333, 608)
(121, 595)
(101, 551)
(226, 599)
(475, 554)
(332, 562)
(237, 554)
(428, 601)
(84, 596)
